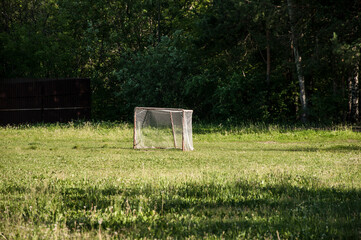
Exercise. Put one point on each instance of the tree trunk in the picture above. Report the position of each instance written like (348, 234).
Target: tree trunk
(268, 58)
(298, 59)
(158, 25)
(354, 95)
(349, 86)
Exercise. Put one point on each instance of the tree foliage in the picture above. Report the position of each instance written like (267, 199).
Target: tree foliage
(228, 60)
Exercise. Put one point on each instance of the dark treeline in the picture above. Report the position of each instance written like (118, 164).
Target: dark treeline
(228, 60)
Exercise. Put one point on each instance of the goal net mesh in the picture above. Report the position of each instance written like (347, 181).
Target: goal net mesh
(163, 128)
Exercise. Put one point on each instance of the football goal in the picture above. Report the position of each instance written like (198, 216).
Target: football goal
(162, 128)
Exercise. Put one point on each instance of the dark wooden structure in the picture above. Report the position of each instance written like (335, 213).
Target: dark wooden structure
(44, 100)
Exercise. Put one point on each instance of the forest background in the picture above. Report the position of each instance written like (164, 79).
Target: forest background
(231, 61)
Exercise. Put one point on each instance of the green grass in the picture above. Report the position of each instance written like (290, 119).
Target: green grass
(253, 182)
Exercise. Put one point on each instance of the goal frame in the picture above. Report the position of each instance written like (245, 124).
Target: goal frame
(172, 126)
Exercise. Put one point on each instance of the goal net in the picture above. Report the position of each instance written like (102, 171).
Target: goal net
(163, 128)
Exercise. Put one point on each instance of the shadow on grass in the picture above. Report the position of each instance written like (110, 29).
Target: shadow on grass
(337, 148)
(237, 209)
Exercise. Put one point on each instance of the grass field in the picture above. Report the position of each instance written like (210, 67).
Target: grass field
(254, 182)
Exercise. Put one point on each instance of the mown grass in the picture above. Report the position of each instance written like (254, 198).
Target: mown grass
(84, 180)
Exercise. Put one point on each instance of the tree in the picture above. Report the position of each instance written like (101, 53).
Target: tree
(298, 60)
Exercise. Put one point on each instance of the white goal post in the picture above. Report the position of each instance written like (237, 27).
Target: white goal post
(162, 128)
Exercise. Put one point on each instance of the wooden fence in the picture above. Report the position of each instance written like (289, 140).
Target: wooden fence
(44, 100)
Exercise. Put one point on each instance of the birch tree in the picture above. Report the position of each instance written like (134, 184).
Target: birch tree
(298, 60)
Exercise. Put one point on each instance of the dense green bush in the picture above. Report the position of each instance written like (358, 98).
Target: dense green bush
(327, 108)
(242, 98)
(154, 77)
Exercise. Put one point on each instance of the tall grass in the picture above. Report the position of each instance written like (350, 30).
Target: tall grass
(84, 180)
